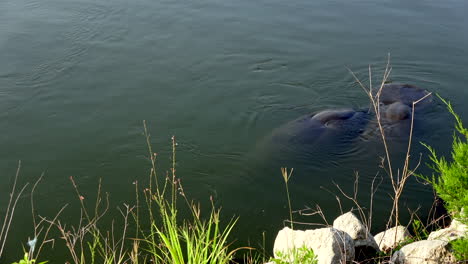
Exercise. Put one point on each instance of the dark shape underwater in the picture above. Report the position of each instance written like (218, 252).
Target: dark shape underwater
(329, 134)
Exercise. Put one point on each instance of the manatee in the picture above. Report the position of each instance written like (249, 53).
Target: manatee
(309, 129)
(396, 102)
(403, 93)
(334, 132)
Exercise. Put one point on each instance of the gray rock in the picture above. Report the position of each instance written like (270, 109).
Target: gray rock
(329, 244)
(456, 230)
(350, 224)
(390, 238)
(424, 252)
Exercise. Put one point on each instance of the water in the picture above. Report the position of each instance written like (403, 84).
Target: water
(78, 77)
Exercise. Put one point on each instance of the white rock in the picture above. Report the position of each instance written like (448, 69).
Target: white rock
(329, 245)
(390, 238)
(456, 230)
(424, 252)
(350, 224)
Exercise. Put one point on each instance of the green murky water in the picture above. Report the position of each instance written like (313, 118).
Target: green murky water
(77, 78)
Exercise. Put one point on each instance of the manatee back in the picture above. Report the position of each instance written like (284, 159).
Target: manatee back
(403, 93)
(347, 121)
(322, 127)
(314, 139)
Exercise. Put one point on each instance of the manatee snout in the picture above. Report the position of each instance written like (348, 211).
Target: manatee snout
(397, 111)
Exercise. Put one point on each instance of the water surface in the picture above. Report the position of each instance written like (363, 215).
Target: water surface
(78, 77)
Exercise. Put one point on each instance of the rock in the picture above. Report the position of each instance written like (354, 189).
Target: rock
(456, 230)
(390, 238)
(424, 252)
(329, 244)
(350, 224)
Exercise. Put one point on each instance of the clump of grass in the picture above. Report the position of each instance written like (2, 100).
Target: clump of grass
(296, 256)
(419, 230)
(172, 240)
(88, 242)
(27, 260)
(460, 249)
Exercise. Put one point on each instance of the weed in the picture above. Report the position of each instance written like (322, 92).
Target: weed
(296, 256)
(27, 260)
(419, 230)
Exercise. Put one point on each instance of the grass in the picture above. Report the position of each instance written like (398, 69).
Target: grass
(27, 260)
(460, 249)
(162, 234)
(172, 241)
(296, 256)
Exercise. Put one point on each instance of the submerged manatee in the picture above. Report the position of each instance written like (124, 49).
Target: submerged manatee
(310, 129)
(312, 139)
(396, 102)
(330, 133)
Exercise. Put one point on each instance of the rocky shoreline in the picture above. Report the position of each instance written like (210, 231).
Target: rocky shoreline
(349, 241)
